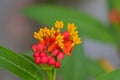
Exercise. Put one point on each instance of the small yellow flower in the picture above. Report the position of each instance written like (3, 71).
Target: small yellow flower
(52, 32)
(59, 25)
(37, 36)
(46, 32)
(59, 40)
(73, 34)
(71, 27)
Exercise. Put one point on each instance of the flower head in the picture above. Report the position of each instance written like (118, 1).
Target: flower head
(53, 44)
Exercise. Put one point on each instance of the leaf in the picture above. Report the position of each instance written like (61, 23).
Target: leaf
(74, 67)
(115, 4)
(94, 69)
(89, 26)
(115, 75)
(18, 65)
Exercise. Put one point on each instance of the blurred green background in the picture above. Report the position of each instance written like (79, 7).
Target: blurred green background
(100, 35)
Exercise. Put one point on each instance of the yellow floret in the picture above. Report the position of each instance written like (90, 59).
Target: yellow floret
(38, 36)
(52, 32)
(59, 25)
(73, 34)
(46, 32)
(59, 40)
(71, 27)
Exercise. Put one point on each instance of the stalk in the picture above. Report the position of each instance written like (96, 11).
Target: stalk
(51, 74)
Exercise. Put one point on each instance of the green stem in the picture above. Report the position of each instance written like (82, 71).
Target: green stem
(54, 74)
(51, 74)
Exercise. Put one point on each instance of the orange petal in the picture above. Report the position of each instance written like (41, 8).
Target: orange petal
(43, 42)
(67, 48)
(51, 47)
(47, 40)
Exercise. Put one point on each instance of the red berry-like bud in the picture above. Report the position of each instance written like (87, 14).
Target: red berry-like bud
(57, 64)
(42, 54)
(44, 60)
(40, 47)
(55, 52)
(34, 47)
(51, 61)
(60, 56)
(66, 35)
(37, 60)
(48, 56)
(36, 54)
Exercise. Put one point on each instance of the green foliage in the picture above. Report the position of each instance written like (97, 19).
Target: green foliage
(89, 26)
(94, 68)
(19, 65)
(115, 4)
(74, 66)
(115, 75)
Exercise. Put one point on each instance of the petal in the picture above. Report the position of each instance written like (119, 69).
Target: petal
(68, 48)
(51, 47)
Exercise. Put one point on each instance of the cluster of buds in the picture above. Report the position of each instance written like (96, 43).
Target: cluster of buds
(54, 44)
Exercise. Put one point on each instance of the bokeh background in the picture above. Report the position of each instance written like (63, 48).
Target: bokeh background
(16, 31)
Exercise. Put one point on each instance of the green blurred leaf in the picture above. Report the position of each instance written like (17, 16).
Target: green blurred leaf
(74, 67)
(115, 75)
(89, 26)
(115, 4)
(94, 68)
(18, 65)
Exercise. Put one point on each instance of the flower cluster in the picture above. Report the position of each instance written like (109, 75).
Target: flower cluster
(54, 44)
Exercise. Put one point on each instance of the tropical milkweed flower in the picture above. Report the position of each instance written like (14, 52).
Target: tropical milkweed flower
(53, 44)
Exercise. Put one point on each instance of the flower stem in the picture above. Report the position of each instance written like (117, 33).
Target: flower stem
(51, 74)
(54, 74)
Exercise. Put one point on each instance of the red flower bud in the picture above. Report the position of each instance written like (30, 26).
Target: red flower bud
(48, 56)
(51, 61)
(36, 54)
(44, 60)
(34, 47)
(42, 54)
(60, 56)
(66, 35)
(55, 52)
(40, 47)
(37, 60)
(57, 64)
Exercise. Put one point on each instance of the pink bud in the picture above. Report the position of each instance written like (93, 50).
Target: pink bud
(57, 64)
(40, 46)
(42, 54)
(66, 35)
(44, 60)
(60, 56)
(55, 52)
(36, 54)
(51, 61)
(37, 60)
(49, 57)
(34, 47)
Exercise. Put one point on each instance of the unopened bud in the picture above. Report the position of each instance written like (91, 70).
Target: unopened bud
(57, 64)
(37, 60)
(51, 61)
(36, 54)
(60, 56)
(44, 60)
(55, 52)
